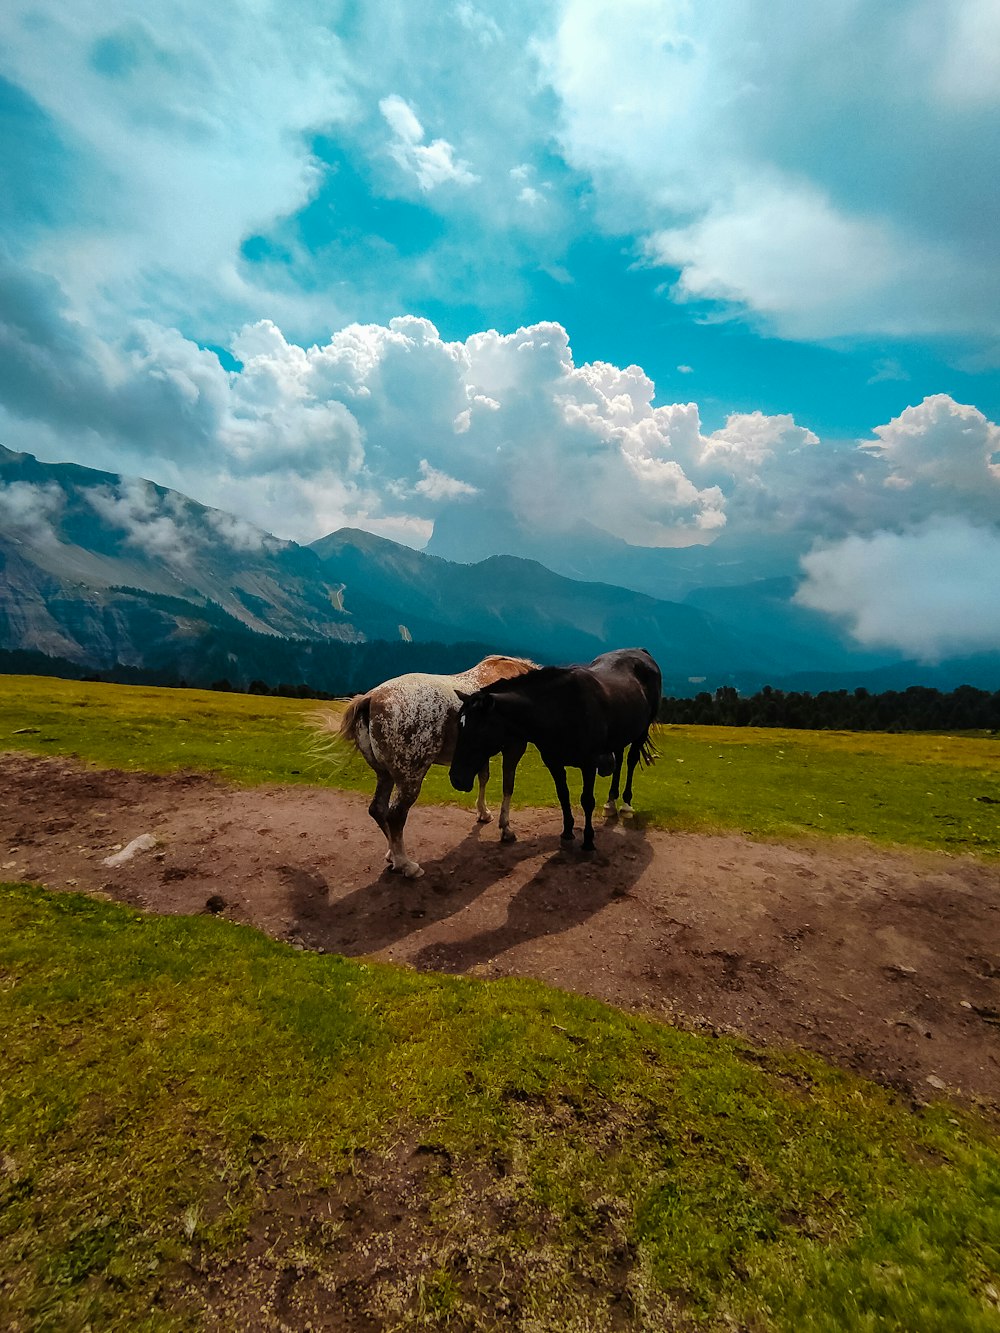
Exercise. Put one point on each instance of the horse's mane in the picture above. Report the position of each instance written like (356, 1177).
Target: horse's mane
(514, 666)
(532, 676)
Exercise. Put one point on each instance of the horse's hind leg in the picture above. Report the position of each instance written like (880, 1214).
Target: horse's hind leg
(483, 815)
(511, 758)
(634, 755)
(610, 809)
(588, 803)
(562, 791)
(407, 792)
(379, 808)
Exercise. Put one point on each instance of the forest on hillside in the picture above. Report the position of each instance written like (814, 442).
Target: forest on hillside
(918, 708)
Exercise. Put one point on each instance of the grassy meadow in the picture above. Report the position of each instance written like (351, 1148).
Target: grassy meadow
(174, 1088)
(923, 790)
(201, 1127)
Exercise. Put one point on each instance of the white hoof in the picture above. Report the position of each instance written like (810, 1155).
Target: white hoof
(627, 811)
(410, 869)
(611, 810)
(484, 817)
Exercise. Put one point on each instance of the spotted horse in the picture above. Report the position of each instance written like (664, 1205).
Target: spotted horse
(405, 725)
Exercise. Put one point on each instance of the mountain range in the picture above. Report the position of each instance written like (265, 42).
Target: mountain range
(103, 570)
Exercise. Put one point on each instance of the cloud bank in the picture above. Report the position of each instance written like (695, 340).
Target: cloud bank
(389, 426)
(826, 173)
(930, 592)
(182, 131)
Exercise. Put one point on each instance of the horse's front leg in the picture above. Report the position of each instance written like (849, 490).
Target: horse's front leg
(483, 815)
(610, 808)
(511, 758)
(562, 791)
(588, 803)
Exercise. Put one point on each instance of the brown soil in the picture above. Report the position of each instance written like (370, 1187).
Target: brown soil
(884, 961)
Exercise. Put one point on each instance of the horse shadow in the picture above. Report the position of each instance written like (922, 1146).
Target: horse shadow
(566, 889)
(391, 907)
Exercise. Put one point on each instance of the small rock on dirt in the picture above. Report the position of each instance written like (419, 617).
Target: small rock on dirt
(140, 844)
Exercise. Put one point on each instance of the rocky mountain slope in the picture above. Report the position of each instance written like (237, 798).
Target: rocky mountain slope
(103, 571)
(99, 568)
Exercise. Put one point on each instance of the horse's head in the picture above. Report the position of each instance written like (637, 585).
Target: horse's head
(481, 734)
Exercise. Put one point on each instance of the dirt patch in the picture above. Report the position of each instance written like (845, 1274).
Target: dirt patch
(886, 962)
(414, 1238)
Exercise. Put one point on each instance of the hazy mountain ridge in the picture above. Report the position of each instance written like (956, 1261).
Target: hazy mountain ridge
(81, 529)
(99, 569)
(90, 558)
(520, 605)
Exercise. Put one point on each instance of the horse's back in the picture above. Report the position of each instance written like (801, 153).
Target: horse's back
(412, 720)
(626, 669)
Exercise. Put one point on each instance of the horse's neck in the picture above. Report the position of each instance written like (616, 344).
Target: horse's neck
(481, 675)
(469, 679)
(527, 709)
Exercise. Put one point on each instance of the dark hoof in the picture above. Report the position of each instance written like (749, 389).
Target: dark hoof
(587, 851)
(508, 835)
(567, 837)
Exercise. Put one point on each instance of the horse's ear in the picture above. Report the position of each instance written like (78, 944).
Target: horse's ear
(464, 695)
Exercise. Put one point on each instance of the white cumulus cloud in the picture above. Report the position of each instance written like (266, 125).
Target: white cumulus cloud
(431, 163)
(949, 445)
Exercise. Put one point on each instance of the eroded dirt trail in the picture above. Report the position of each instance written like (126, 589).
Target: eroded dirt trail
(887, 962)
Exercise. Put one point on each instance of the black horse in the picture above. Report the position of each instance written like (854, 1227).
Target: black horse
(582, 717)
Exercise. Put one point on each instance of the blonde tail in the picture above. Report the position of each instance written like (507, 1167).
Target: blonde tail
(330, 730)
(355, 710)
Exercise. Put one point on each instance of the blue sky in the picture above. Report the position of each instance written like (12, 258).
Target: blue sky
(783, 214)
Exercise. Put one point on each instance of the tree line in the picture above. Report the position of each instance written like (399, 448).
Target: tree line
(918, 708)
(258, 664)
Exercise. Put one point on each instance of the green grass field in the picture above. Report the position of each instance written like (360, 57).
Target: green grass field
(576, 1168)
(914, 789)
(188, 1108)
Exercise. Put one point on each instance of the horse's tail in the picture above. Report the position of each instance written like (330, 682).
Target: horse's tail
(331, 729)
(647, 751)
(356, 712)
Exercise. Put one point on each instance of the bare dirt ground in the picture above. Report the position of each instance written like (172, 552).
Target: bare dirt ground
(886, 962)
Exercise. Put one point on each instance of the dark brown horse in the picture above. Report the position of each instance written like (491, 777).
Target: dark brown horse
(583, 717)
